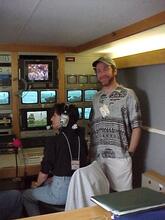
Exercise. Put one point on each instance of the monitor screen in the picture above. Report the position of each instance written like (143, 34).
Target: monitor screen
(87, 112)
(88, 94)
(48, 96)
(83, 79)
(5, 79)
(80, 110)
(4, 98)
(92, 79)
(74, 95)
(71, 79)
(36, 119)
(5, 120)
(38, 71)
(29, 97)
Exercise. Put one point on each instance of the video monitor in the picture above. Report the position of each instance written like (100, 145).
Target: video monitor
(36, 119)
(92, 79)
(5, 120)
(71, 79)
(48, 96)
(82, 79)
(29, 97)
(4, 98)
(87, 112)
(38, 71)
(74, 95)
(80, 110)
(88, 94)
(5, 79)
(41, 71)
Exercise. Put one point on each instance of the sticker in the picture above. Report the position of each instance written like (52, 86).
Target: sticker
(104, 111)
(75, 164)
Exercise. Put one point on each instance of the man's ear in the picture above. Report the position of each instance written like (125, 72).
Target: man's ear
(115, 72)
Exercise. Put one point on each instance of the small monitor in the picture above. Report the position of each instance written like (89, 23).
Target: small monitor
(74, 95)
(5, 79)
(36, 119)
(29, 97)
(71, 79)
(4, 98)
(82, 79)
(80, 110)
(88, 94)
(92, 79)
(48, 96)
(5, 120)
(87, 112)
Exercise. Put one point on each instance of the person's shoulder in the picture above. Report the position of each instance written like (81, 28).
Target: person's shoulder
(126, 90)
(98, 93)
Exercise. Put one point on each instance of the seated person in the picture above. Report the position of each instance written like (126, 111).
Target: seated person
(10, 204)
(63, 154)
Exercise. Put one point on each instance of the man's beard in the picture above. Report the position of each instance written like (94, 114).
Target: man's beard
(108, 82)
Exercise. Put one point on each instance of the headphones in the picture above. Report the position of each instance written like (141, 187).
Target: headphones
(64, 120)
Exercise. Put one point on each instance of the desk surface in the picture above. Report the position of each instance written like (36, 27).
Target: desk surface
(89, 213)
(28, 161)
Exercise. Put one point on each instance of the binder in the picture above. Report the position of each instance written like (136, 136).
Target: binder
(130, 201)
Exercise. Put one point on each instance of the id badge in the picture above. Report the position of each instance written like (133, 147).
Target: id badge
(104, 111)
(75, 164)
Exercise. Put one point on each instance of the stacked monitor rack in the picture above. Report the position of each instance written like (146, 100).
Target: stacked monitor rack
(5, 95)
(80, 90)
(38, 91)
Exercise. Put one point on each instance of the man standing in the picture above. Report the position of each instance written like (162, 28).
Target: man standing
(116, 125)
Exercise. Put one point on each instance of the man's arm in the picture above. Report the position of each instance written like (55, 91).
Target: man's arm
(42, 177)
(135, 139)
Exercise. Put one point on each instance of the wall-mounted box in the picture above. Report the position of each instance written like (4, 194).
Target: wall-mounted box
(153, 180)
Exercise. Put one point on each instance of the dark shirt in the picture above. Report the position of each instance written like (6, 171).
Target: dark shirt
(57, 158)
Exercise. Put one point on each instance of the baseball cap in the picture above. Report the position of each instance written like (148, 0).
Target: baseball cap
(106, 60)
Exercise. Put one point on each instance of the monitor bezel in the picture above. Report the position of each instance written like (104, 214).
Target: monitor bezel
(80, 81)
(90, 81)
(71, 76)
(84, 112)
(70, 90)
(55, 100)
(29, 102)
(24, 123)
(8, 103)
(86, 90)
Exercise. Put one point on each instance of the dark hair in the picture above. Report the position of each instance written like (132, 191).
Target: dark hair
(71, 110)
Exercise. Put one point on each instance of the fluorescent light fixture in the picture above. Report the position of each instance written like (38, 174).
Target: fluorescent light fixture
(153, 39)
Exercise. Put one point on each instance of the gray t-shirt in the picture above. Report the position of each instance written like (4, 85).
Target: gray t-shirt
(114, 117)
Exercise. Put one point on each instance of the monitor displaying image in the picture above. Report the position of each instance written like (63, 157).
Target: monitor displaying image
(71, 79)
(4, 98)
(38, 71)
(80, 110)
(88, 94)
(92, 79)
(36, 119)
(87, 112)
(29, 97)
(5, 79)
(48, 96)
(83, 79)
(74, 95)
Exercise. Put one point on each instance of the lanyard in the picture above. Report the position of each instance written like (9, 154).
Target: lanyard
(70, 147)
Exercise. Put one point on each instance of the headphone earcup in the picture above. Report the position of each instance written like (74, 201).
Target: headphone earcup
(64, 120)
